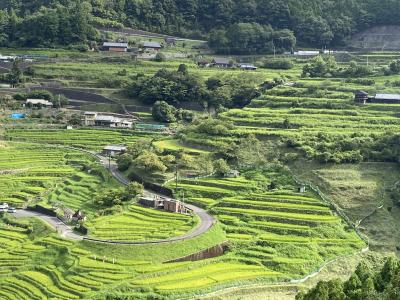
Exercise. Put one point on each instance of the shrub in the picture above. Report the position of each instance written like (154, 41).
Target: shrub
(160, 57)
(279, 63)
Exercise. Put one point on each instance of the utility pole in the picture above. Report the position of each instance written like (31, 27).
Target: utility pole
(176, 178)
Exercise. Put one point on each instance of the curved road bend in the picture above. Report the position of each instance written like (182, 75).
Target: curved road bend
(206, 220)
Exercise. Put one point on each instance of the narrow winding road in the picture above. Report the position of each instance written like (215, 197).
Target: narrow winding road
(64, 230)
(206, 221)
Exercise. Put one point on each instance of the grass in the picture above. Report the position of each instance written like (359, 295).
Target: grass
(359, 190)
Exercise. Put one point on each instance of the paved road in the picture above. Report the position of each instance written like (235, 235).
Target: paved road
(62, 229)
(206, 220)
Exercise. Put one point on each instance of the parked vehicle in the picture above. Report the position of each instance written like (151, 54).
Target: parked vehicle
(11, 210)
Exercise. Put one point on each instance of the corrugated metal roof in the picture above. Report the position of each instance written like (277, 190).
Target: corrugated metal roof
(387, 97)
(39, 101)
(221, 61)
(248, 66)
(116, 45)
(115, 148)
(151, 45)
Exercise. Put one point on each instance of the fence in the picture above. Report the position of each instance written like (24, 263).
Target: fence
(335, 207)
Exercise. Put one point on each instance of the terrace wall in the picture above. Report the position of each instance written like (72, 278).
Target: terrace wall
(215, 251)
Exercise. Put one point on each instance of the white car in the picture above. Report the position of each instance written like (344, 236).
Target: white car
(11, 210)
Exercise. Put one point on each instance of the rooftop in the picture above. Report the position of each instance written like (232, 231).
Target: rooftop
(221, 61)
(115, 45)
(39, 101)
(151, 44)
(114, 148)
(388, 97)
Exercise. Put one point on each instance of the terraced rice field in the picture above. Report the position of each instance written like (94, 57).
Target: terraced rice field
(140, 224)
(47, 267)
(77, 191)
(331, 110)
(287, 232)
(90, 139)
(28, 171)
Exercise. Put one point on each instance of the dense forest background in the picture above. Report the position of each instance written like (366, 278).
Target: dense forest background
(266, 24)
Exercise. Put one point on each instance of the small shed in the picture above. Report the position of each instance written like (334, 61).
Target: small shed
(114, 150)
(78, 216)
(221, 62)
(170, 41)
(152, 46)
(232, 174)
(115, 47)
(361, 97)
(302, 189)
(203, 63)
(249, 67)
(38, 103)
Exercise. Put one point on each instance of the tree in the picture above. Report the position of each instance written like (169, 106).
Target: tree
(149, 162)
(160, 57)
(163, 112)
(133, 191)
(204, 164)
(124, 161)
(250, 152)
(15, 76)
(221, 167)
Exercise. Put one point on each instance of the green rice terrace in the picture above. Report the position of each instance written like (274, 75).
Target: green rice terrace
(268, 231)
(89, 139)
(289, 232)
(273, 236)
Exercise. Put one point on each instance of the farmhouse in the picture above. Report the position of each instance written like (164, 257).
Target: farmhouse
(363, 98)
(170, 41)
(114, 150)
(203, 63)
(115, 47)
(170, 205)
(386, 98)
(155, 46)
(107, 120)
(248, 67)
(221, 63)
(38, 103)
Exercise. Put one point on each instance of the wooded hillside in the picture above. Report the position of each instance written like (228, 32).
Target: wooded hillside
(315, 23)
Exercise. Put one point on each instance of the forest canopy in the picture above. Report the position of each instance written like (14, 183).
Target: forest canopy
(271, 23)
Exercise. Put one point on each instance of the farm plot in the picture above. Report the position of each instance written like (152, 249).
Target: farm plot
(91, 139)
(28, 171)
(285, 231)
(140, 224)
(311, 107)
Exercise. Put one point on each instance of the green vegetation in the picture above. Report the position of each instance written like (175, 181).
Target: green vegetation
(287, 232)
(237, 26)
(364, 283)
(140, 224)
(90, 139)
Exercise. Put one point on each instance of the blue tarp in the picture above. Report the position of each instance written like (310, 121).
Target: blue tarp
(18, 116)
